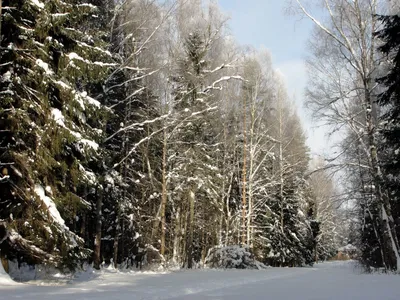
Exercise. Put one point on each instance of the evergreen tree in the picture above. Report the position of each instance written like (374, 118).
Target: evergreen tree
(52, 64)
(126, 125)
(193, 163)
(389, 100)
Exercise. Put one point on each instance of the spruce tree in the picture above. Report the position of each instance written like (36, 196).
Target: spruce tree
(389, 100)
(53, 62)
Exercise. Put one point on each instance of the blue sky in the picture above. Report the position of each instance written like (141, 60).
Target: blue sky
(263, 23)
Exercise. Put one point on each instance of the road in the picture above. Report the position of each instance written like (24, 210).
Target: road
(324, 281)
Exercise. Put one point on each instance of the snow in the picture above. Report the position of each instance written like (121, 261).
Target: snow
(80, 101)
(49, 190)
(37, 3)
(51, 206)
(336, 280)
(90, 144)
(42, 274)
(106, 52)
(102, 64)
(232, 257)
(6, 77)
(109, 180)
(4, 178)
(90, 100)
(58, 117)
(5, 280)
(74, 55)
(83, 95)
(348, 248)
(88, 175)
(91, 6)
(55, 216)
(62, 84)
(93, 102)
(57, 15)
(15, 236)
(44, 66)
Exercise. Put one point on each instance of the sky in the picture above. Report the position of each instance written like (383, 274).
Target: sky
(264, 24)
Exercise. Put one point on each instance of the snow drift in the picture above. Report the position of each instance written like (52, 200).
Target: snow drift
(5, 278)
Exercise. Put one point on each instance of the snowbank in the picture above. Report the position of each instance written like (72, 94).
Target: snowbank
(232, 257)
(5, 278)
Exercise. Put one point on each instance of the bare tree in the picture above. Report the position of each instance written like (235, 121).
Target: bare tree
(345, 74)
(323, 209)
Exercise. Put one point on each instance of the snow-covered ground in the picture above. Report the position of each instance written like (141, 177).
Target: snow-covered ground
(4, 278)
(325, 281)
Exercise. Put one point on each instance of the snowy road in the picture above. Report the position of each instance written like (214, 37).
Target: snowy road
(325, 281)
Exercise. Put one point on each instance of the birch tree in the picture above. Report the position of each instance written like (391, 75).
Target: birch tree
(346, 73)
(258, 90)
(323, 211)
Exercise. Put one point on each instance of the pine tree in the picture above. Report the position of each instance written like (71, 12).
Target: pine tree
(389, 100)
(52, 65)
(286, 229)
(133, 148)
(126, 125)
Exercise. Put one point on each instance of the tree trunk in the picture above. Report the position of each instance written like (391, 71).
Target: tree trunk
(251, 170)
(189, 245)
(177, 234)
(1, 18)
(116, 237)
(4, 262)
(204, 247)
(281, 180)
(83, 230)
(244, 170)
(224, 170)
(220, 228)
(115, 256)
(382, 197)
(97, 242)
(184, 234)
(164, 193)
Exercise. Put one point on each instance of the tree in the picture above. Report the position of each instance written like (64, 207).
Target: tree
(285, 233)
(132, 144)
(53, 61)
(322, 211)
(344, 75)
(137, 124)
(389, 100)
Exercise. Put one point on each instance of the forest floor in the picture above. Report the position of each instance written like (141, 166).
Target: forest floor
(333, 280)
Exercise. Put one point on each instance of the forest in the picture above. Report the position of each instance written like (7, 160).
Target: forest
(141, 124)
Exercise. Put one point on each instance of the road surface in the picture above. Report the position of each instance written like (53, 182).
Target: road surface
(336, 280)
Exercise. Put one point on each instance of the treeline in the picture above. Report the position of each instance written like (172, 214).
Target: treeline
(354, 87)
(133, 123)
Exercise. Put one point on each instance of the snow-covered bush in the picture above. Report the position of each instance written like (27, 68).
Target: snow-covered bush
(348, 252)
(153, 256)
(232, 257)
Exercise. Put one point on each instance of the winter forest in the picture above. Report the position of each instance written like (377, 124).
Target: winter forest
(140, 131)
